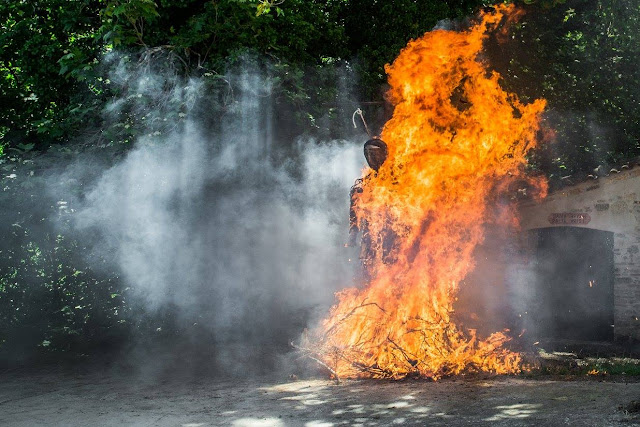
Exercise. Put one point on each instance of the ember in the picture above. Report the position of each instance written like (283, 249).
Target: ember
(457, 142)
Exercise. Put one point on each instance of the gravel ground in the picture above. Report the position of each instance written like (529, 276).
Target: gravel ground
(104, 398)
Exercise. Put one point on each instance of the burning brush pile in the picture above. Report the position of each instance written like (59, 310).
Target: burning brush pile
(456, 146)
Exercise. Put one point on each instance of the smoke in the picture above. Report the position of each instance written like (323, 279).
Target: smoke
(558, 292)
(212, 218)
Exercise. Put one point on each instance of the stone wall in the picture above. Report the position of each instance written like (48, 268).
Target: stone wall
(627, 285)
(609, 203)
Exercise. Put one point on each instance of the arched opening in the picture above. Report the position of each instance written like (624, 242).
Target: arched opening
(572, 295)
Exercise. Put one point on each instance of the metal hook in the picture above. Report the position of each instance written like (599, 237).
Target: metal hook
(361, 114)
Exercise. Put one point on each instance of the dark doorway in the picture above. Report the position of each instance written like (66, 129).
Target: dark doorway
(573, 296)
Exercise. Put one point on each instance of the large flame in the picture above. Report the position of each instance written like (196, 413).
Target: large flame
(456, 141)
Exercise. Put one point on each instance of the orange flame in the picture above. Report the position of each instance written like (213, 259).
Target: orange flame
(456, 142)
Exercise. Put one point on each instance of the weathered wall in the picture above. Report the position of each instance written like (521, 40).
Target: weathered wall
(610, 203)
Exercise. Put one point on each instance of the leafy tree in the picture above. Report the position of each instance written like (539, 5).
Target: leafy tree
(46, 301)
(47, 50)
(51, 298)
(51, 84)
(376, 31)
(206, 33)
(580, 55)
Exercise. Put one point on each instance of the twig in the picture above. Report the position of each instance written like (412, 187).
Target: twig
(346, 316)
(320, 362)
(412, 362)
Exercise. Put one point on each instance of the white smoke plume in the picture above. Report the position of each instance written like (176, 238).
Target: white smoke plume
(238, 233)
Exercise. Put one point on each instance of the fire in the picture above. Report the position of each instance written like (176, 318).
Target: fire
(457, 141)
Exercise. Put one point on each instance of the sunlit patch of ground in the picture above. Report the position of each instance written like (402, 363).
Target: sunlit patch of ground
(65, 398)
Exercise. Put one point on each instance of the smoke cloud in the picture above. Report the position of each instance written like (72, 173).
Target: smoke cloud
(212, 218)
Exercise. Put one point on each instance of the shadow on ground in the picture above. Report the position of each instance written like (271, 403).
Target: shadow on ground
(107, 398)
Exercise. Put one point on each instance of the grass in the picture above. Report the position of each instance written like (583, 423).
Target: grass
(558, 363)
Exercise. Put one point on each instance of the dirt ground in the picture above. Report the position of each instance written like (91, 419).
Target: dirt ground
(105, 398)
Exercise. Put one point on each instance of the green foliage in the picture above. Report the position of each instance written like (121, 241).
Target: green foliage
(298, 41)
(59, 294)
(580, 55)
(205, 33)
(544, 3)
(376, 31)
(52, 86)
(51, 299)
(47, 301)
(125, 20)
(587, 366)
(52, 83)
(46, 49)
